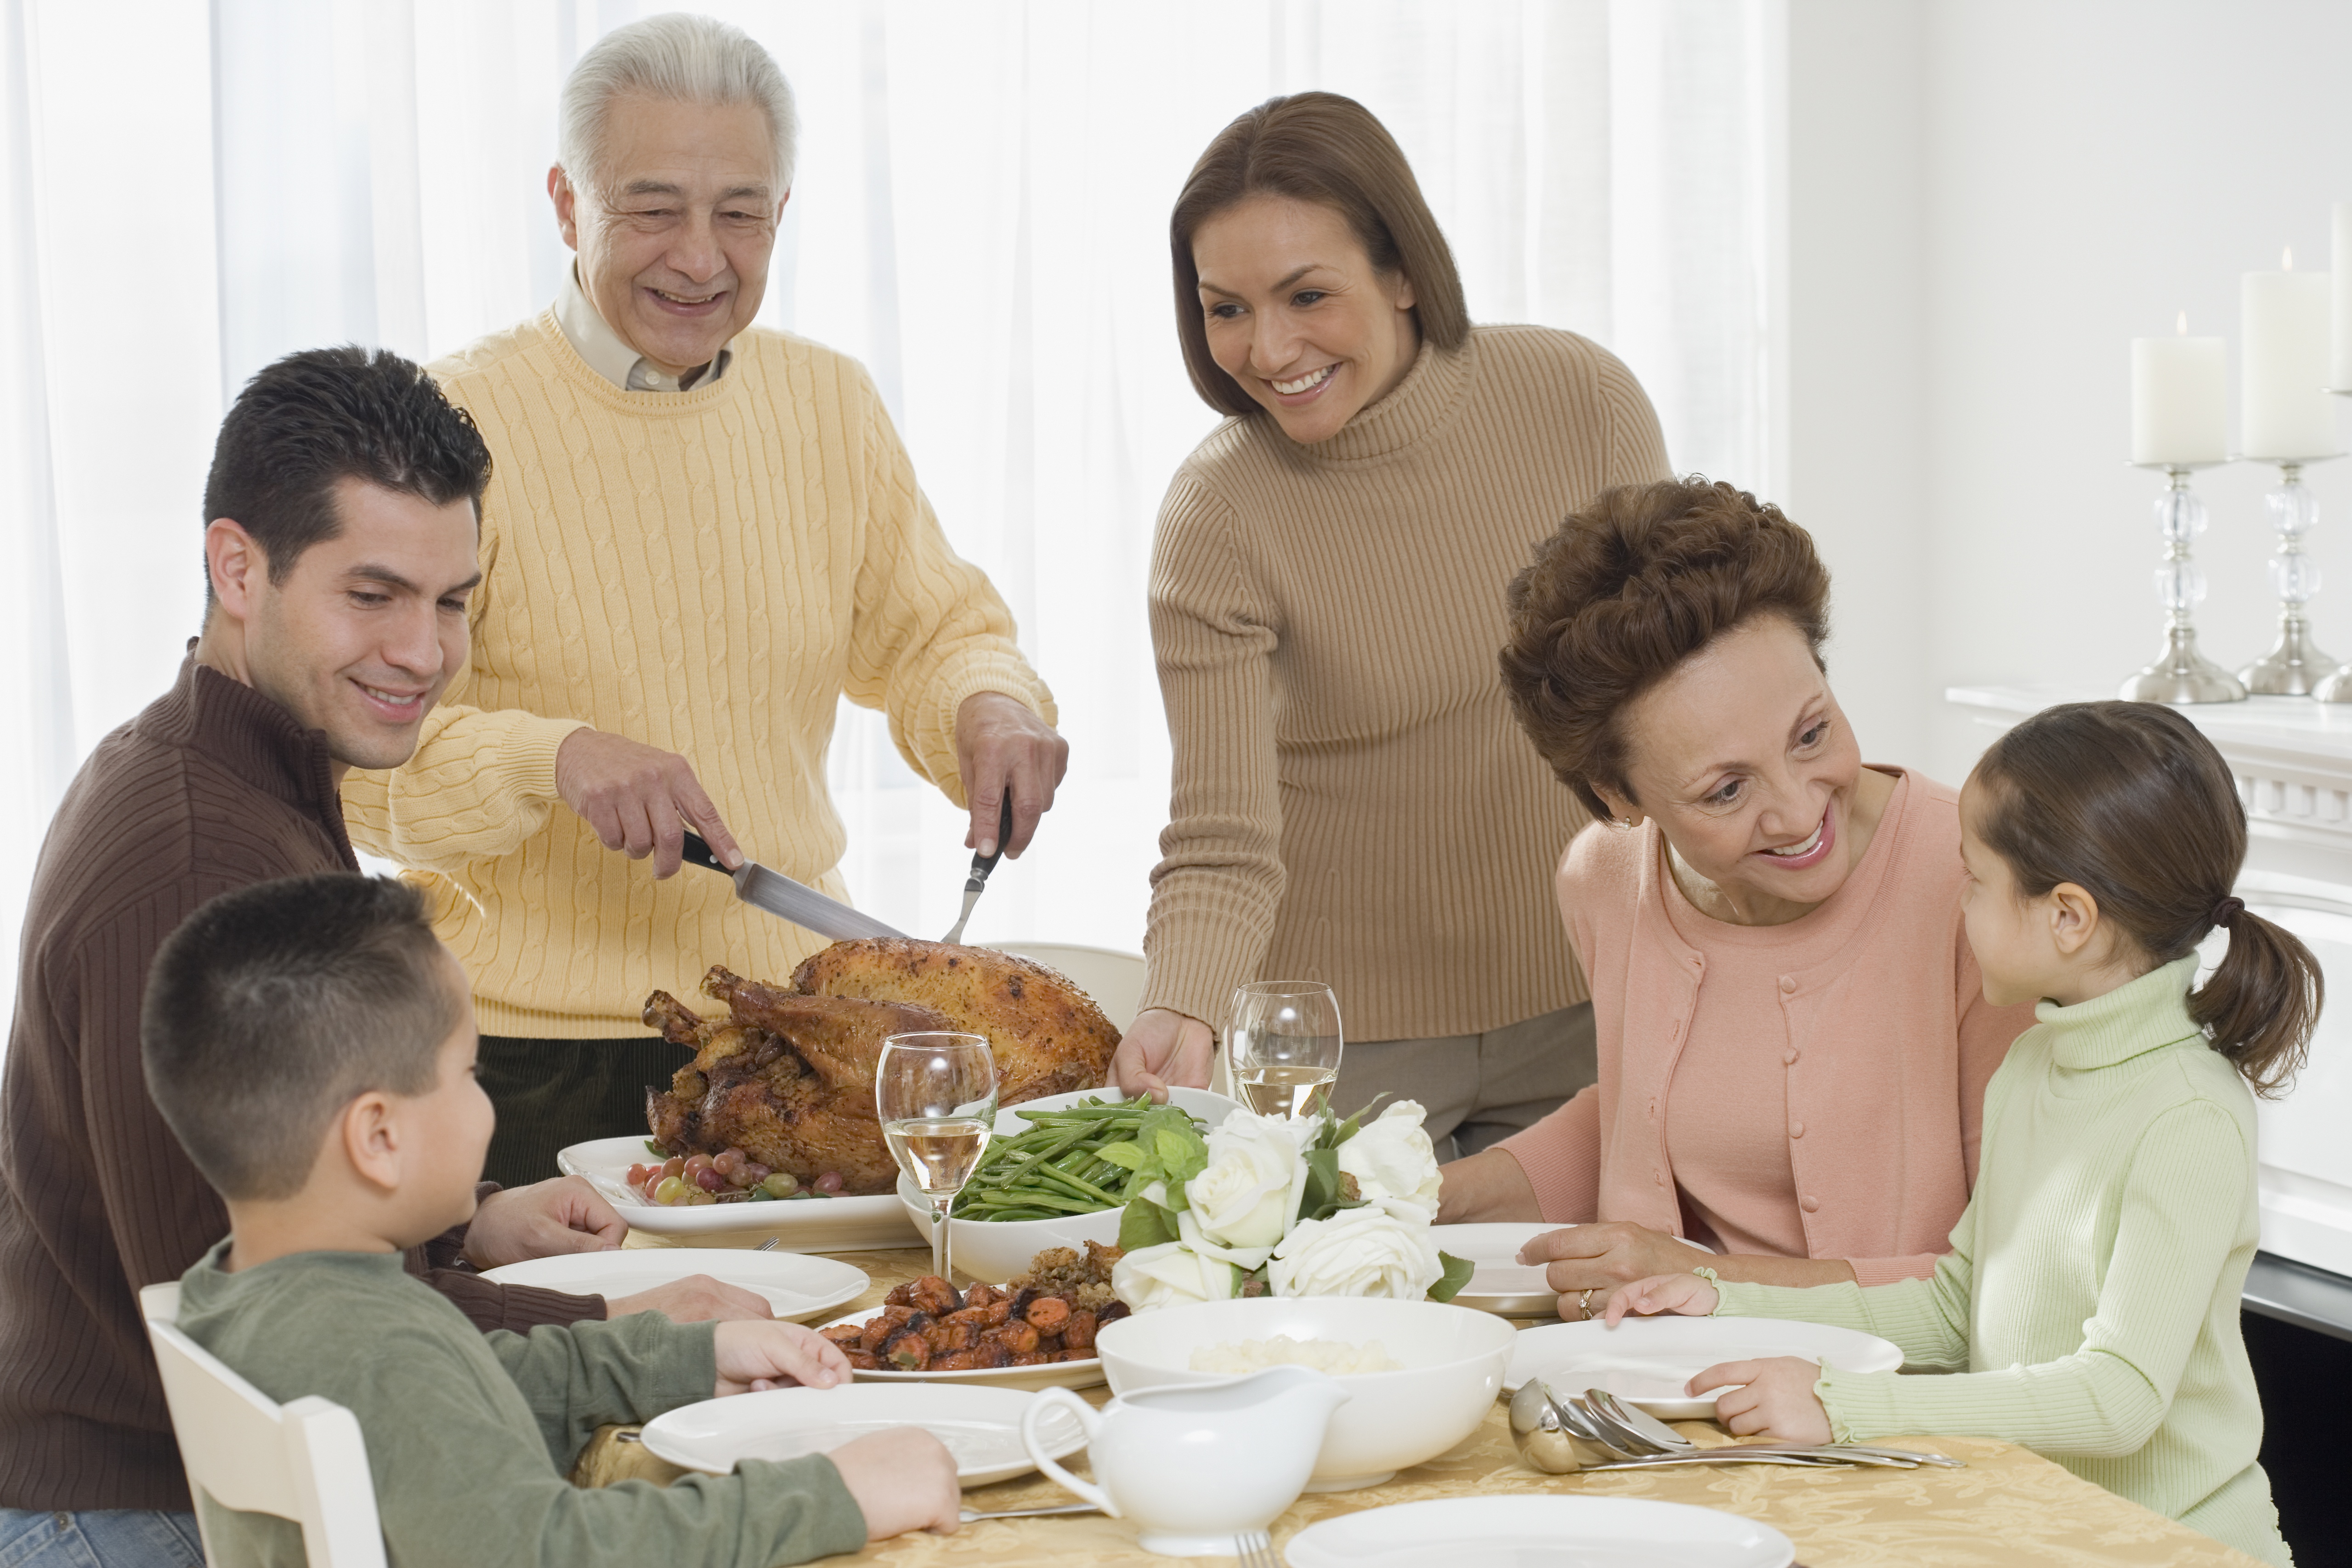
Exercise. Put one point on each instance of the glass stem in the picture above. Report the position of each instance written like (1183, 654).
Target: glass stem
(939, 1237)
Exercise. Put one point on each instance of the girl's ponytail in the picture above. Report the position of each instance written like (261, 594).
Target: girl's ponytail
(2130, 802)
(2260, 1004)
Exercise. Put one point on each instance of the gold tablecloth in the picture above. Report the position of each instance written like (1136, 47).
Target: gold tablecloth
(2008, 1507)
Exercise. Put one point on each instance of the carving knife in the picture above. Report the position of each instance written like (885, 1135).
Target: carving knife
(981, 866)
(780, 896)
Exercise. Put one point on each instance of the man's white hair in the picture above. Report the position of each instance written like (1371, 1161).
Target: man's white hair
(683, 59)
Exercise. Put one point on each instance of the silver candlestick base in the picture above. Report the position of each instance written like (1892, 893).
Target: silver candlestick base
(2181, 673)
(2294, 667)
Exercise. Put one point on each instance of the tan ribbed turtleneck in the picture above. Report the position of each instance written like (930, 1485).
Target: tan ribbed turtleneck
(1352, 800)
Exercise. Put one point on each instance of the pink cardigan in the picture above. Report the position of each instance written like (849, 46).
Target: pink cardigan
(1887, 1044)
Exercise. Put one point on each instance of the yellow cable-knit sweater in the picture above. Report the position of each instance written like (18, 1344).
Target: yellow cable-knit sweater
(706, 572)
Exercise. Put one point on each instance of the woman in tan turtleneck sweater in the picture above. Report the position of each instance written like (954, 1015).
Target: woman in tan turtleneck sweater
(1352, 800)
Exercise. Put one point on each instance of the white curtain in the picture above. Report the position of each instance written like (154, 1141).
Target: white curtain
(979, 214)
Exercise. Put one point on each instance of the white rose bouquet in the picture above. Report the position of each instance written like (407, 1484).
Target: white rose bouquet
(1265, 1204)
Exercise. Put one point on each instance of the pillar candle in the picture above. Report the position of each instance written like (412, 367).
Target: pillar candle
(2284, 408)
(2179, 406)
(2340, 359)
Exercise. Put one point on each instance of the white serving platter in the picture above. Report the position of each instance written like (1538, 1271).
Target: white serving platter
(1084, 1373)
(806, 1225)
(980, 1427)
(1649, 1360)
(798, 1288)
(1502, 1283)
(1539, 1532)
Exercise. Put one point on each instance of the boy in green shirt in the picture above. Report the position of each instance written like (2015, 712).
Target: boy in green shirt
(313, 1045)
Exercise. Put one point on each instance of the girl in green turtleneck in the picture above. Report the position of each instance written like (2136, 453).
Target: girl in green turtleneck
(2089, 1302)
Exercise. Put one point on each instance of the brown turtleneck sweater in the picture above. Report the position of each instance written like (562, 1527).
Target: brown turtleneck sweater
(213, 788)
(1353, 803)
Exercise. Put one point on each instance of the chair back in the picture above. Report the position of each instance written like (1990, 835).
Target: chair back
(304, 1460)
(1113, 978)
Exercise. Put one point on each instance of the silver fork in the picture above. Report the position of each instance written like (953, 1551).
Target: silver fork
(1633, 1422)
(1256, 1550)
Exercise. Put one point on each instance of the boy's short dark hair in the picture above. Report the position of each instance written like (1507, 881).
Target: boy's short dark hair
(272, 1007)
(323, 415)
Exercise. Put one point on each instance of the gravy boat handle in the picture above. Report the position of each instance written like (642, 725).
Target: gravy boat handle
(1090, 1423)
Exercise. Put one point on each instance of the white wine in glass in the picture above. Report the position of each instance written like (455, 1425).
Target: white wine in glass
(935, 1094)
(1282, 1044)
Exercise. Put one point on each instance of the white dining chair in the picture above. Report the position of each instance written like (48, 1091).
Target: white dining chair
(1113, 978)
(304, 1460)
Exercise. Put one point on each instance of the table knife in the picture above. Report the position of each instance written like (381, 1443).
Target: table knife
(981, 866)
(780, 896)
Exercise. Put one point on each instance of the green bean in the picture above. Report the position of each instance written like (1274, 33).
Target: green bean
(1055, 1166)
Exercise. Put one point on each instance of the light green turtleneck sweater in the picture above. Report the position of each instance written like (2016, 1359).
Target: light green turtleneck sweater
(2091, 1293)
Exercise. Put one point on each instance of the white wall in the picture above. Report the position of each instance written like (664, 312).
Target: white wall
(2093, 167)
(1853, 301)
(1987, 201)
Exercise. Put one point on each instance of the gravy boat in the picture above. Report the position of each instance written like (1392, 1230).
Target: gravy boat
(1194, 1465)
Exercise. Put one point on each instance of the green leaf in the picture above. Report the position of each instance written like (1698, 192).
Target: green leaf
(1129, 1156)
(1457, 1274)
(1322, 1184)
(1143, 1223)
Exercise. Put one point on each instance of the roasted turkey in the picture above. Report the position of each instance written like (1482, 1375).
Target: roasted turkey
(1047, 1036)
(787, 1076)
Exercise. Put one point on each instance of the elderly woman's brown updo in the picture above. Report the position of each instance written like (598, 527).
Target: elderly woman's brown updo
(1629, 588)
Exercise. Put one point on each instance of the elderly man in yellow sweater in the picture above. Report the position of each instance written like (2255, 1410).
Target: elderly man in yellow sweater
(699, 535)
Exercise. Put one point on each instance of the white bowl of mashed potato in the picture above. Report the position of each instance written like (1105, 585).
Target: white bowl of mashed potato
(1449, 1365)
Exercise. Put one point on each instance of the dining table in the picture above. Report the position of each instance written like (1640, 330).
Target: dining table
(2006, 1507)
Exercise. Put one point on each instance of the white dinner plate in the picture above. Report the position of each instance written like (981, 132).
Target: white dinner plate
(1649, 1360)
(797, 1287)
(1539, 1532)
(980, 1427)
(1053, 1374)
(806, 1223)
(1502, 1283)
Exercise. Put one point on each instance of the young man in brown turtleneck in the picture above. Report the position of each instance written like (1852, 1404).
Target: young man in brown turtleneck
(342, 517)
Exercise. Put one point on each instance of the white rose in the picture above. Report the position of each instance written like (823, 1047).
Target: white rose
(1357, 1252)
(1251, 1189)
(1171, 1275)
(1393, 1165)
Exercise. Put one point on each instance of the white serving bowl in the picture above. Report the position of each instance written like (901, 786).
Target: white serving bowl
(1453, 1360)
(997, 1249)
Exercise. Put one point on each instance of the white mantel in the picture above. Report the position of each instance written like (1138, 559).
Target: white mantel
(2292, 760)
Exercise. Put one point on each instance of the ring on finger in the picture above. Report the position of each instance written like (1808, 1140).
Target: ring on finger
(1584, 1303)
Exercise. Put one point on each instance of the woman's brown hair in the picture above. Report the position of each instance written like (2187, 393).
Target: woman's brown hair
(1642, 579)
(1315, 147)
(2132, 804)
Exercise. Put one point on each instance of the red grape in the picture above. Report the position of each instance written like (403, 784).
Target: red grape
(829, 1183)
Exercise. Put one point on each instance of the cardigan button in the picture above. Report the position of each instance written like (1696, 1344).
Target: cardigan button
(1659, 1177)
(1796, 1129)
(1809, 1205)
(1788, 1057)
(1787, 985)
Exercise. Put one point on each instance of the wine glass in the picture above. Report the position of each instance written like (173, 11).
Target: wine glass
(1282, 1042)
(935, 1094)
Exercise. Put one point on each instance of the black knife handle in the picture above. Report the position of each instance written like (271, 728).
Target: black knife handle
(697, 852)
(982, 864)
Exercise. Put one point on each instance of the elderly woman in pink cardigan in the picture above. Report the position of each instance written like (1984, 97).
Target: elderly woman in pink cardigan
(1793, 1044)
